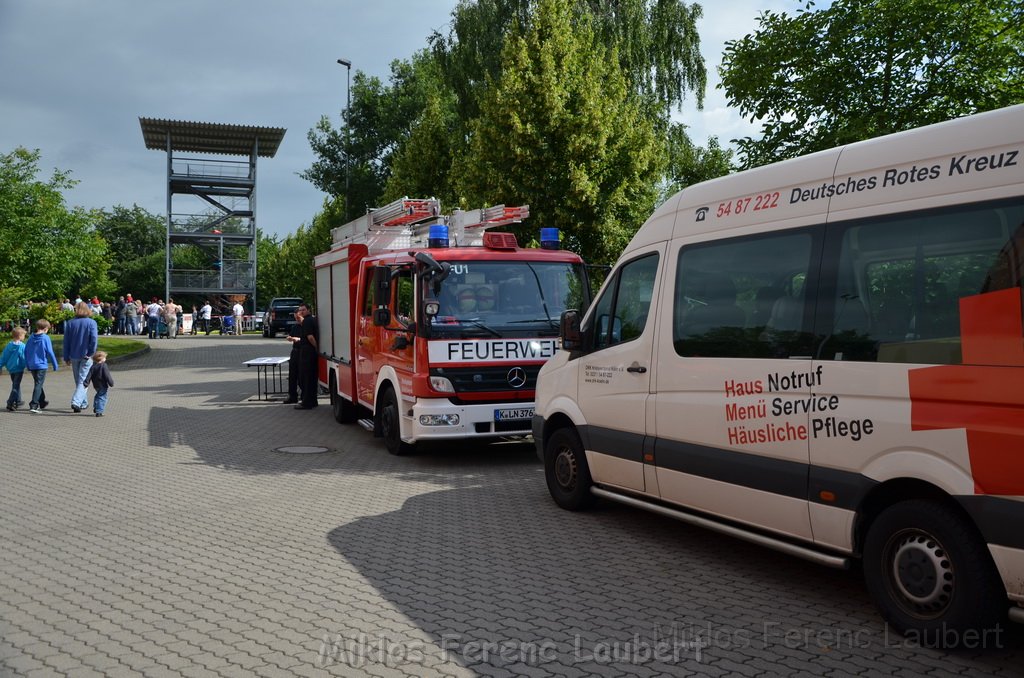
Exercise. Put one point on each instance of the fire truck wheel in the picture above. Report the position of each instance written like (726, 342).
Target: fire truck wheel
(931, 574)
(566, 470)
(344, 411)
(390, 424)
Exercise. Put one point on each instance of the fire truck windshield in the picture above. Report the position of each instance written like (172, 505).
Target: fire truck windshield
(506, 298)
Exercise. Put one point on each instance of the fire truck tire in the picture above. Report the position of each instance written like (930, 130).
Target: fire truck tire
(344, 412)
(931, 575)
(390, 424)
(566, 470)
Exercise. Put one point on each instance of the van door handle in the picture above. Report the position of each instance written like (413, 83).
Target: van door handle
(639, 369)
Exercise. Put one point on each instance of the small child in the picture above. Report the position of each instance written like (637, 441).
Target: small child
(38, 356)
(13, 358)
(99, 377)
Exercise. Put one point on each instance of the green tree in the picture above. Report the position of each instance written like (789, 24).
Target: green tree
(406, 137)
(561, 132)
(689, 164)
(268, 281)
(378, 122)
(658, 46)
(136, 240)
(422, 166)
(863, 68)
(48, 249)
(289, 272)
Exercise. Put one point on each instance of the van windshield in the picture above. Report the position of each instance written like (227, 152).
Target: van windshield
(507, 298)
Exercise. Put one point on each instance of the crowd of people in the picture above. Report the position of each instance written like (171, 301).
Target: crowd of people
(154, 319)
(88, 365)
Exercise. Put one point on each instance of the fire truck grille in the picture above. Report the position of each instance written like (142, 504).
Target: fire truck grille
(503, 427)
(509, 377)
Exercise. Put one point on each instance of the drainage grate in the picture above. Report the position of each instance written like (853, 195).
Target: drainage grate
(302, 449)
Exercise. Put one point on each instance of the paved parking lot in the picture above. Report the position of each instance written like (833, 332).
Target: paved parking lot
(170, 538)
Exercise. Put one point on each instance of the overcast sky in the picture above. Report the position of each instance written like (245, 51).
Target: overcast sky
(76, 75)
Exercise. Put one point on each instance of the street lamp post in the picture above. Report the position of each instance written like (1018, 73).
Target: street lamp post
(348, 102)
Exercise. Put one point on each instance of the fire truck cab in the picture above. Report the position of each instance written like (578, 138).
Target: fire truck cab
(434, 327)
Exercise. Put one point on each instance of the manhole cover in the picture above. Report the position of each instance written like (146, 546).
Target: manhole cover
(302, 449)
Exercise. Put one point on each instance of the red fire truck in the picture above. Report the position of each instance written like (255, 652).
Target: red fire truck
(434, 327)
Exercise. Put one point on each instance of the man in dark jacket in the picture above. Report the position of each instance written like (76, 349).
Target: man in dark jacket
(308, 349)
(294, 334)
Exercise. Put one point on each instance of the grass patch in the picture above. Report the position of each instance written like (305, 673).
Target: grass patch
(114, 346)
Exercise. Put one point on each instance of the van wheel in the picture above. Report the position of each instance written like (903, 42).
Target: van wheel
(390, 424)
(566, 470)
(344, 411)
(930, 574)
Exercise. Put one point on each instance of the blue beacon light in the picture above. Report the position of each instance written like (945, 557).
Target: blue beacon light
(438, 236)
(549, 239)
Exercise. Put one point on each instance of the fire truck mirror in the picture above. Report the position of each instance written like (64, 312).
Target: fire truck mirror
(381, 286)
(569, 329)
(381, 317)
(432, 269)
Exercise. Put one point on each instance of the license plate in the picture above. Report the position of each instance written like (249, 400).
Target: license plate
(513, 414)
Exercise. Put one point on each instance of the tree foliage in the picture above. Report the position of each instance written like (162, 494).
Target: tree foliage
(560, 132)
(863, 68)
(374, 127)
(48, 249)
(136, 240)
(417, 135)
(690, 164)
(656, 43)
(288, 271)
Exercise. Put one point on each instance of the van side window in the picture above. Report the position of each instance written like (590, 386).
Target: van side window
(744, 297)
(900, 281)
(622, 311)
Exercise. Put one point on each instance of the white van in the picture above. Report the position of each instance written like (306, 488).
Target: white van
(824, 356)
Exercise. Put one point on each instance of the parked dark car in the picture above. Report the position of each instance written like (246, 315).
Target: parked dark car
(279, 314)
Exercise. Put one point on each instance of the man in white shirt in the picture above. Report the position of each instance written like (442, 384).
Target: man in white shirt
(204, 316)
(237, 311)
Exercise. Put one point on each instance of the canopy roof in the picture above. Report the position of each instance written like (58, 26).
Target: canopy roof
(210, 137)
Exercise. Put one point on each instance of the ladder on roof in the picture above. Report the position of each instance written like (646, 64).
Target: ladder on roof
(489, 217)
(406, 223)
(404, 211)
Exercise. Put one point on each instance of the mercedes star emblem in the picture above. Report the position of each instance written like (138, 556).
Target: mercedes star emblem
(516, 377)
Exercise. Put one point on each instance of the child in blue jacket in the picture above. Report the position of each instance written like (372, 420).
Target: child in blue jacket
(13, 360)
(38, 356)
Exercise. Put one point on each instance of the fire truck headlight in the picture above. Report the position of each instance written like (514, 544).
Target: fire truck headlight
(441, 385)
(439, 420)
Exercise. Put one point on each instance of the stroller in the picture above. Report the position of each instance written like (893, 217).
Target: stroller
(227, 324)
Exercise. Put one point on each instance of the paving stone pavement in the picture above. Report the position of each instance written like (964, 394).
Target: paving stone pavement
(169, 538)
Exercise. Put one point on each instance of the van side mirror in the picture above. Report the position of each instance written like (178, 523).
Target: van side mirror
(569, 330)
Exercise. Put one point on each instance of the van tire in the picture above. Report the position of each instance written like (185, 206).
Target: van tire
(344, 411)
(931, 575)
(390, 424)
(566, 470)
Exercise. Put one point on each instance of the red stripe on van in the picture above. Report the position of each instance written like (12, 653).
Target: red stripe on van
(985, 395)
